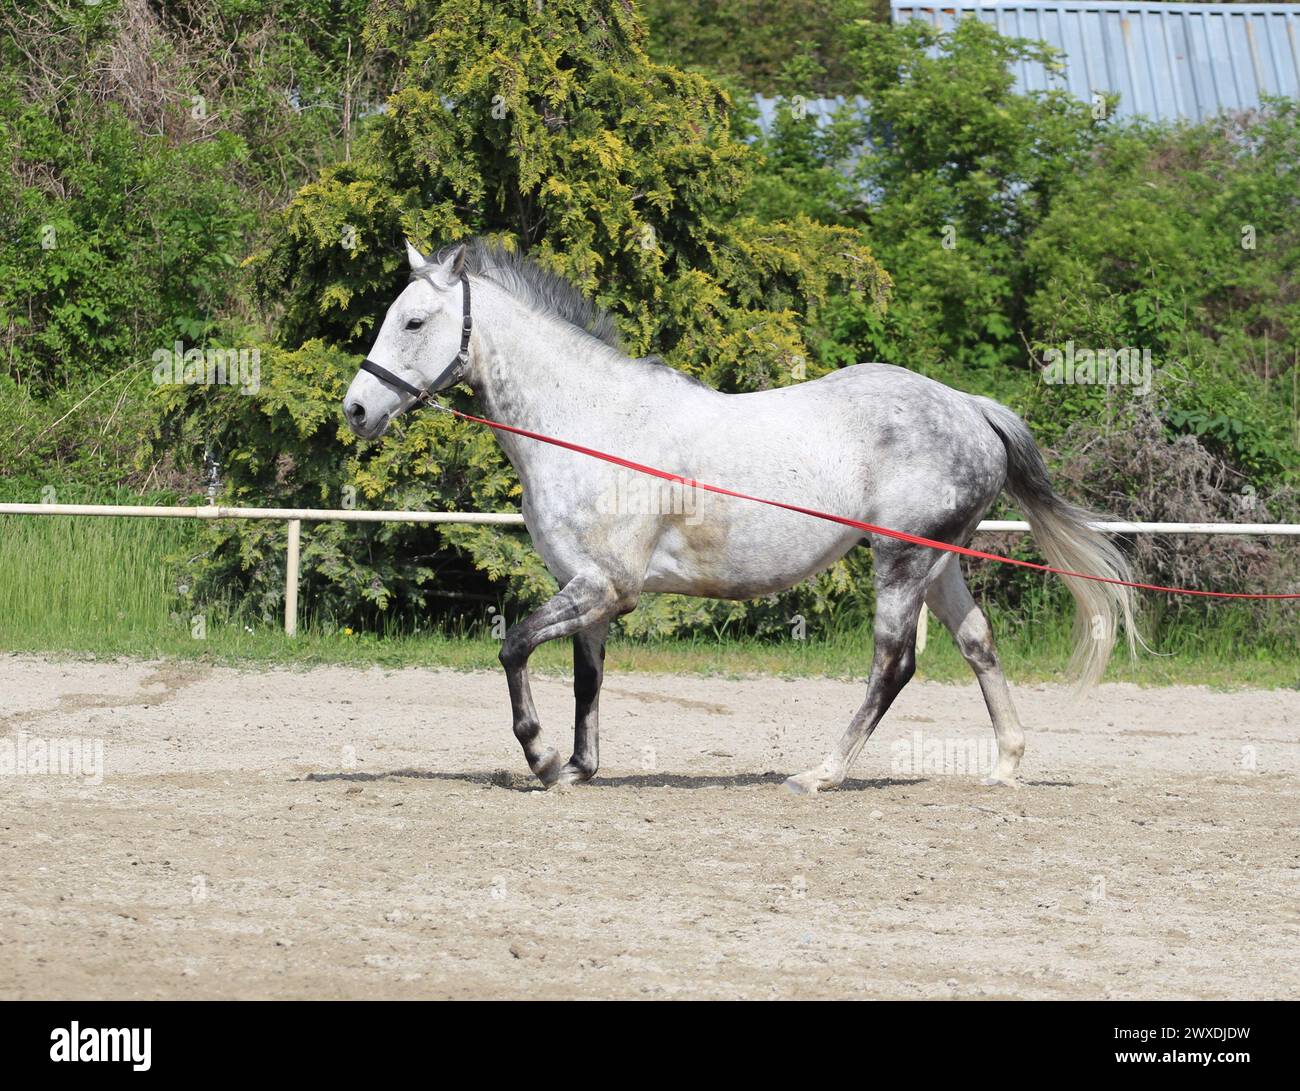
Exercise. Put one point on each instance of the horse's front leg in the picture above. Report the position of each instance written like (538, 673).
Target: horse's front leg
(588, 673)
(585, 601)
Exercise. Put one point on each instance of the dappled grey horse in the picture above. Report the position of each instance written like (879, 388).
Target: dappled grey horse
(872, 442)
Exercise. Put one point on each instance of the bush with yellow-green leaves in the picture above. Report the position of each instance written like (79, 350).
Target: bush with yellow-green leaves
(551, 130)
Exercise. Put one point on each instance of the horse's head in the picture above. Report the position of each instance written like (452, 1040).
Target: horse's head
(425, 327)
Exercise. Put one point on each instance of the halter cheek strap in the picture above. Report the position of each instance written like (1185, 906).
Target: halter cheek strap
(450, 374)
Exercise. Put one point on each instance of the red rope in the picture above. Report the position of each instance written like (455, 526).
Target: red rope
(870, 528)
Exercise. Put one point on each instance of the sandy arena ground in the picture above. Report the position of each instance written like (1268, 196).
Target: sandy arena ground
(347, 833)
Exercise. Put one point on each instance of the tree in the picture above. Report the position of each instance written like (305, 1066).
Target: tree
(548, 128)
(753, 40)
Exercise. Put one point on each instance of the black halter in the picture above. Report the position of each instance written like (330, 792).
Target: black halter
(450, 374)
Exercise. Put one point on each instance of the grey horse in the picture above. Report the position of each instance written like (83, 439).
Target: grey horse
(873, 442)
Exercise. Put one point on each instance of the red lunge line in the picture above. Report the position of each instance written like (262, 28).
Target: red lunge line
(870, 528)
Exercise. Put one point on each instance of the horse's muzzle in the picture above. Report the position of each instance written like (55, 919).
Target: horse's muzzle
(361, 423)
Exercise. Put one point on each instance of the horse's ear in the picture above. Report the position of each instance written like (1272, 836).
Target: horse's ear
(458, 260)
(417, 260)
(451, 267)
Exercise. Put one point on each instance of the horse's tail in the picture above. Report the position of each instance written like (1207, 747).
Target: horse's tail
(1067, 541)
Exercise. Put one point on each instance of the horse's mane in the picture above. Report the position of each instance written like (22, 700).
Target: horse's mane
(539, 289)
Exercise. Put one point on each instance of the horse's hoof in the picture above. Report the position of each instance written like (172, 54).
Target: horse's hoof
(1000, 782)
(805, 784)
(572, 774)
(549, 766)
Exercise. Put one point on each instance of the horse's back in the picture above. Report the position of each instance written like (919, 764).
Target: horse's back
(889, 418)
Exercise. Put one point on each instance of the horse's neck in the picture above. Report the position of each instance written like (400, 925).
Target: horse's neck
(538, 372)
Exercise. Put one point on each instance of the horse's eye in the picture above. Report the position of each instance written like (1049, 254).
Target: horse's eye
(415, 323)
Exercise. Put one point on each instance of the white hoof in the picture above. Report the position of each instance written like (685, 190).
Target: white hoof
(811, 782)
(800, 785)
(997, 781)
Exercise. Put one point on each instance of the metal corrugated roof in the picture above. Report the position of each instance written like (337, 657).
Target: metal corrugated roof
(1166, 61)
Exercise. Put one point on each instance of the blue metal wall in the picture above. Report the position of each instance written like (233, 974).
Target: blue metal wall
(1166, 61)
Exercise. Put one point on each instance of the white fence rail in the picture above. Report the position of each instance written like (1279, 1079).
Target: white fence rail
(296, 516)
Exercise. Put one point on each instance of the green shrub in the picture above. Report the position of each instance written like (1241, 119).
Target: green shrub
(554, 132)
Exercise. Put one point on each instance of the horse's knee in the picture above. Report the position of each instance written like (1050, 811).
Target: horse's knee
(895, 663)
(514, 651)
(975, 642)
(904, 668)
(981, 656)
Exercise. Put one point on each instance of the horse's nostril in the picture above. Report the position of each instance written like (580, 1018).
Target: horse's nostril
(355, 412)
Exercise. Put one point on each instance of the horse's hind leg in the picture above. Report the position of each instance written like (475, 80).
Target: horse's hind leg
(588, 673)
(951, 601)
(901, 575)
(585, 601)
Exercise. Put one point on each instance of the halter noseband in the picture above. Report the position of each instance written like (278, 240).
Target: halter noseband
(450, 373)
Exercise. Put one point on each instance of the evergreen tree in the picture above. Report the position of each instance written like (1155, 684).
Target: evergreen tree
(546, 126)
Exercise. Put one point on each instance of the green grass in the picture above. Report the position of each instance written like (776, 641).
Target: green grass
(105, 588)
